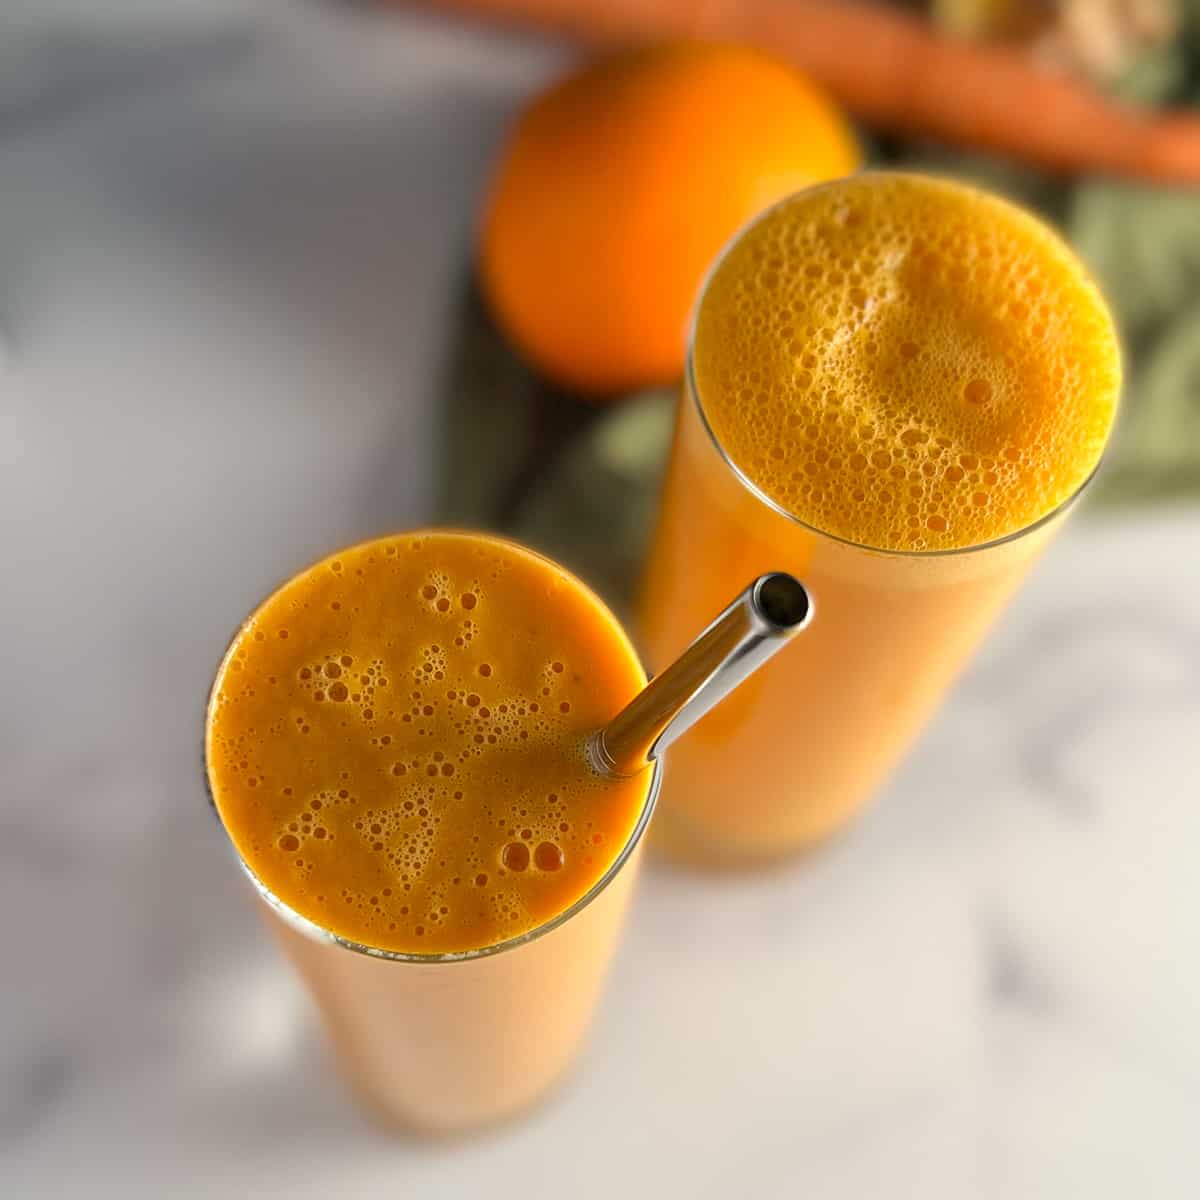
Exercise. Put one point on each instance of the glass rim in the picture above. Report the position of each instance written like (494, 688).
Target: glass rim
(319, 933)
(757, 492)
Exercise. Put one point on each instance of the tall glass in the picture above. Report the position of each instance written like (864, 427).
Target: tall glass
(442, 1042)
(804, 743)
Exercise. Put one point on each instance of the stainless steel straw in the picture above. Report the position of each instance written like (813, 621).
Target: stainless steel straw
(758, 623)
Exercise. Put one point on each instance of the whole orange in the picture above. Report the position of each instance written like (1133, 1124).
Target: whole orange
(618, 187)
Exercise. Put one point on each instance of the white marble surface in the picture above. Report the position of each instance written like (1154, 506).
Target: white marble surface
(229, 235)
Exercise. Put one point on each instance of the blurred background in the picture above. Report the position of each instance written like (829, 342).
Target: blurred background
(276, 275)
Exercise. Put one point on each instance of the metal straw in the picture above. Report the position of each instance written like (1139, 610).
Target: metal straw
(759, 622)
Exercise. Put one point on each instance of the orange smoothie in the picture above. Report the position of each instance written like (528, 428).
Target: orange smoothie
(896, 385)
(395, 746)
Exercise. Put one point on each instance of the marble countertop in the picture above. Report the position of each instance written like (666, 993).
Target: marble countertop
(229, 237)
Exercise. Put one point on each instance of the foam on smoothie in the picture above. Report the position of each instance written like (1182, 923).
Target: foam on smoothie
(395, 742)
(907, 363)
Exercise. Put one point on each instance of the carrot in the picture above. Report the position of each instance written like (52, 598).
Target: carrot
(896, 72)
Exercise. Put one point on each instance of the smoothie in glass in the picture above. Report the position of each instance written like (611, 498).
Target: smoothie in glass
(395, 747)
(896, 386)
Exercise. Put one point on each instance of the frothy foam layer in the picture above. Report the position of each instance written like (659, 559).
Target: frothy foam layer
(907, 363)
(395, 742)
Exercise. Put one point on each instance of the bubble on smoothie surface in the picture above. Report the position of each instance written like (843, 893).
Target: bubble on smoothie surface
(907, 363)
(414, 777)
